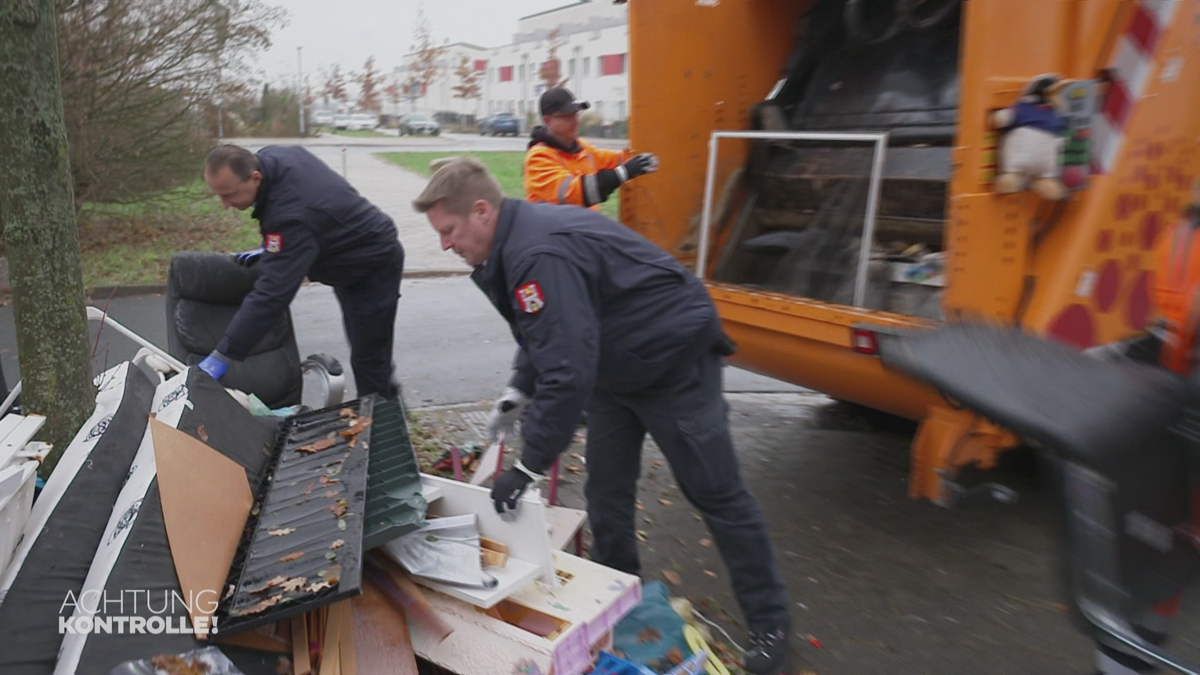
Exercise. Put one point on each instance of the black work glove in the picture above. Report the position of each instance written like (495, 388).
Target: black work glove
(508, 489)
(638, 165)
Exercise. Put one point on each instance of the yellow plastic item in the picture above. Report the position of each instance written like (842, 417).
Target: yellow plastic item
(697, 643)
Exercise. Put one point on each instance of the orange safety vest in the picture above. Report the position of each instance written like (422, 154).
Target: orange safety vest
(555, 176)
(1177, 293)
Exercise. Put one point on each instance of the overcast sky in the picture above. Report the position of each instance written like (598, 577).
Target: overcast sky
(348, 31)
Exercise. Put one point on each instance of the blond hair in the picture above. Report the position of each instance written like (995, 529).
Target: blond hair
(457, 185)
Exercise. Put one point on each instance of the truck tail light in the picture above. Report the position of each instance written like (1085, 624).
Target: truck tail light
(864, 341)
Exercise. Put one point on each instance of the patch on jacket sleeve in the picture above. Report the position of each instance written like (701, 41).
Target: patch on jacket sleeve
(530, 297)
(274, 242)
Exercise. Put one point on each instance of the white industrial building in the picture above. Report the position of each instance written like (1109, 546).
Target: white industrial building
(593, 55)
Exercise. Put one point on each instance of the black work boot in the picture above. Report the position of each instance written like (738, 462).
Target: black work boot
(766, 652)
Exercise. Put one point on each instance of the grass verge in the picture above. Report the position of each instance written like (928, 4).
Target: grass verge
(126, 244)
(505, 165)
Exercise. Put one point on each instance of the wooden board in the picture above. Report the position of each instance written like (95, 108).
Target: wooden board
(17, 431)
(381, 636)
(588, 604)
(564, 523)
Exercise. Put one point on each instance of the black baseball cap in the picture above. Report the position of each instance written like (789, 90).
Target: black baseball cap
(560, 100)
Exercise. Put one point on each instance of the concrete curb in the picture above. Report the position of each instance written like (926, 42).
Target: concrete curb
(106, 292)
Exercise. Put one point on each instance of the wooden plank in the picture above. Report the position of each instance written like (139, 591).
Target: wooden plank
(329, 640)
(564, 523)
(492, 558)
(300, 663)
(16, 439)
(493, 545)
(347, 657)
(381, 636)
(253, 639)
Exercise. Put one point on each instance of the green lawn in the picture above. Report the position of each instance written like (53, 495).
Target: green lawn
(506, 166)
(133, 243)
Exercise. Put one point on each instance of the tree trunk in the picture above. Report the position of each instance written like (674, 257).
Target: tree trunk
(36, 207)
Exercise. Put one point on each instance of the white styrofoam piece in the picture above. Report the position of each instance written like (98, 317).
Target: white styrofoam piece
(15, 440)
(525, 534)
(16, 500)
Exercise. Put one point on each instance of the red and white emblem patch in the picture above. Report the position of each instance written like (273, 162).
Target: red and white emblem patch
(274, 242)
(530, 297)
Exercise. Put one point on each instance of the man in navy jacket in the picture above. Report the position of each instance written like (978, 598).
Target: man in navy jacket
(609, 323)
(314, 224)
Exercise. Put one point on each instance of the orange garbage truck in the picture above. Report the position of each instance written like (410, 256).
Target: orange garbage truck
(840, 169)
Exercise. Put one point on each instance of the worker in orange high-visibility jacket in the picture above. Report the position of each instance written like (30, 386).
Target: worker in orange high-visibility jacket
(561, 168)
(1177, 290)
(1177, 304)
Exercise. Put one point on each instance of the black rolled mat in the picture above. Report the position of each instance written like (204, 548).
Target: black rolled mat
(144, 563)
(73, 511)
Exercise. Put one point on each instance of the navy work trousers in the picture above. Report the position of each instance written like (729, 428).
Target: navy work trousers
(687, 416)
(369, 317)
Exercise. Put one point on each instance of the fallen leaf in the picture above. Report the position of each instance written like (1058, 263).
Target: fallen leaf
(258, 606)
(347, 412)
(641, 534)
(675, 656)
(339, 509)
(229, 592)
(292, 556)
(341, 523)
(673, 577)
(356, 425)
(330, 495)
(706, 543)
(311, 487)
(571, 468)
(815, 642)
(658, 462)
(577, 456)
(330, 555)
(202, 433)
(320, 585)
(665, 502)
(337, 544)
(293, 584)
(270, 584)
(641, 506)
(281, 532)
(711, 573)
(323, 444)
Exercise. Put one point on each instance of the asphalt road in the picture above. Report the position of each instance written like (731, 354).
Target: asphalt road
(451, 345)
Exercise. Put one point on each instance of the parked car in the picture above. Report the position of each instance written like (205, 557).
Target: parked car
(362, 122)
(500, 123)
(341, 121)
(323, 118)
(419, 123)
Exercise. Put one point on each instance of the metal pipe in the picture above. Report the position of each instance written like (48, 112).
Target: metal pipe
(97, 314)
(11, 398)
(868, 237)
(710, 178)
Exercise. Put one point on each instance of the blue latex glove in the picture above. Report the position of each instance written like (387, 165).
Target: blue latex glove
(214, 365)
(248, 258)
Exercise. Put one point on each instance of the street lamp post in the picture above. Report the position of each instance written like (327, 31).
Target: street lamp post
(300, 88)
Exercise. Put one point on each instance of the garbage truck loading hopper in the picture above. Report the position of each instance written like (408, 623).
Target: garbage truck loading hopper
(788, 217)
